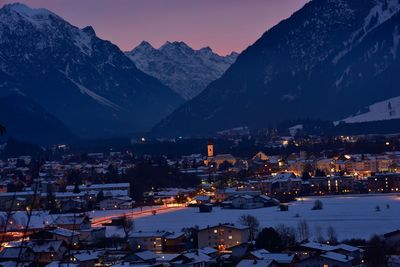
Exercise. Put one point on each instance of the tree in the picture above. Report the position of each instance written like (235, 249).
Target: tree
(287, 235)
(100, 196)
(251, 222)
(76, 188)
(191, 235)
(127, 225)
(2, 130)
(269, 239)
(332, 236)
(318, 235)
(319, 173)
(318, 205)
(50, 199)
(376, 253)
(303, 230)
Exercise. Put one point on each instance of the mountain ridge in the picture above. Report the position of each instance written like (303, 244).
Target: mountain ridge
(186, 70)
(298, 69)
(86, 82)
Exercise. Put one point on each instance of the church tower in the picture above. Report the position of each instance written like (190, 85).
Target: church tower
(210, 148)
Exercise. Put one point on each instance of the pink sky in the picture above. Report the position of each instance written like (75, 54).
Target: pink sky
(224, 25)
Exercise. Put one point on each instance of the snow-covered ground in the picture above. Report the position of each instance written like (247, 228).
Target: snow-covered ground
(351, 216)
(384, 110)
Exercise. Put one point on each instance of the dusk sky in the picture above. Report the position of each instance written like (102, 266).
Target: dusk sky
(224, 25)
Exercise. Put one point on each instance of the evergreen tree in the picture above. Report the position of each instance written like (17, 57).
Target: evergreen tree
(2, 130)
(269, 239)
(76, 188)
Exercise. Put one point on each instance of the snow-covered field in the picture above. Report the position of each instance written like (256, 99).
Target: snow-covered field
(351, 216)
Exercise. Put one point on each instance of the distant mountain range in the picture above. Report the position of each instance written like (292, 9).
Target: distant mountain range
(185, 70)
(330, 59)
(87, 83)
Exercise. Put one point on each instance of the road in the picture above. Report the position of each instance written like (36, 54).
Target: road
(99, 221)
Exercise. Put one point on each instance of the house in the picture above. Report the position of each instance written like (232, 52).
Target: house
(85, 258)
(354, 252)
(144, 256)
(71, 238)
(92, 235)
(327, 259)
(24, 254)
(71, 222)
(113, 203)
(175, 242)
(257, 263)
(246, 202)
(191, 259)
(71, 205)
(47, 251)
(283, 259)
(153, 241)
(223, 236)
(392, 237)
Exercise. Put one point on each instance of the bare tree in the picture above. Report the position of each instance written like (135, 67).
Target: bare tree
(127, 225)
(287, 234)
(303, 230)
(332, 236)
(319, 237)
(251, 222)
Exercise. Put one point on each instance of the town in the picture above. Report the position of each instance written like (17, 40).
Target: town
(86, 209)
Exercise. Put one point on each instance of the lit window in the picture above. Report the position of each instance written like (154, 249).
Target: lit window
(230, 237)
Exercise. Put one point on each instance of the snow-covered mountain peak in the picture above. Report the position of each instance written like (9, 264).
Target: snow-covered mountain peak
(185, 70)
(27, 11)
(89, 30)
(176, 46)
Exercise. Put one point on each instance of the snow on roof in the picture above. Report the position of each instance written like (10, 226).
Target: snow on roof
(99, 186)
(348, 248)
(146, 255)
(281, 258)
(337, 256)
(59, 264)
(196, 257)
(202, 198)
(207, 250)
(12, 252)
(318, 246)
(148, 234)
(229, 225)
(165, 257)
(87, 255)
(259, 254)
(254, 263)
(47, 246)
(69, 219)
(15, 264)
(64, 232)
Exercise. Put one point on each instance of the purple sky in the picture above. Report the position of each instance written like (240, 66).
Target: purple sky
(224, 25)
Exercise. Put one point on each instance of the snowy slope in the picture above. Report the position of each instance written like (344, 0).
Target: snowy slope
(384, 110)
(86, 82)
(185, 70)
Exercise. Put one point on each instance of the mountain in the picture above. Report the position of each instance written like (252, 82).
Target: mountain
(86, 82)
(185, 70)
(28, 121)
(327, 61)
